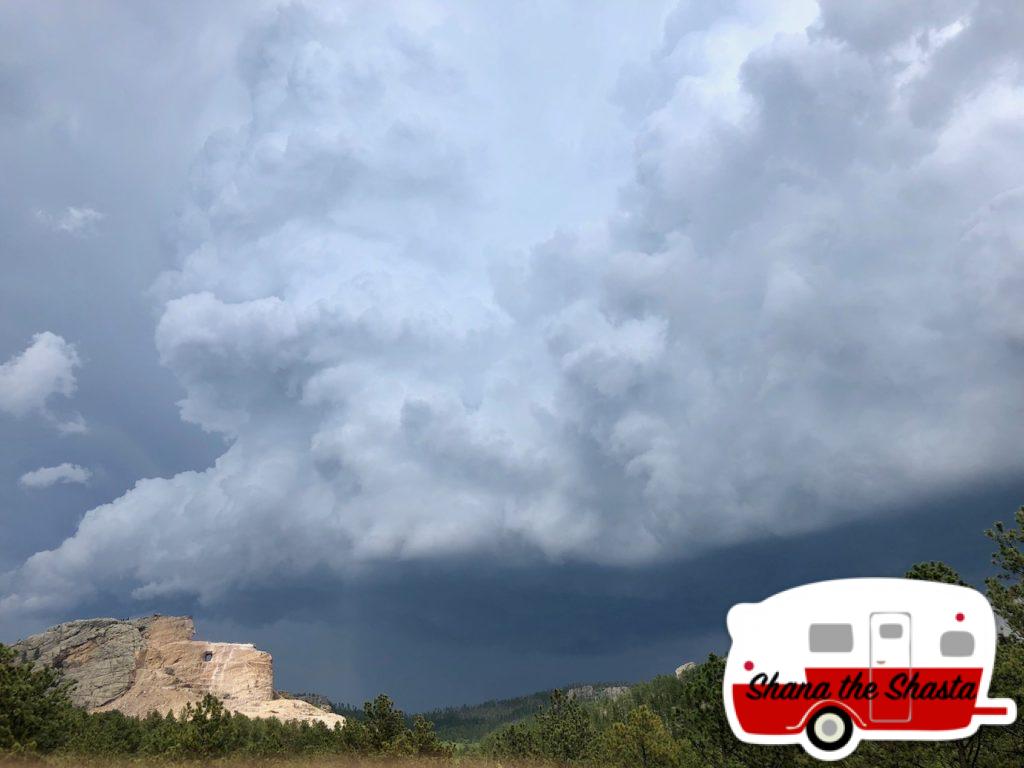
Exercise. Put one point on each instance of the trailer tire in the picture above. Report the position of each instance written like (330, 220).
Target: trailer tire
(830, 729)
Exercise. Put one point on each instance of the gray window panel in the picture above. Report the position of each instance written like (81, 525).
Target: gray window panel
(831, 638)
(956, 644)
(890, 631)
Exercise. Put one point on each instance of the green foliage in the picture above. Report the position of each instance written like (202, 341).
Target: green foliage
(35, 712)
(935, 570)
(660, 694)
(383, 723)
(564, 730)
(425, 741)
(1006, 593)
(642, 741)
(382, 730)
(346, 710)
(159, 734)
(563, 733)
(104, 733)
(37, 716)
(699, 713)
(1006, 588)
(512, 742)
(699, 718)
(473, 722)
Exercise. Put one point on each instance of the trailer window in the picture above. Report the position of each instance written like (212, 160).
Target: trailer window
(890, 631)
(956, 644)
(831, 638)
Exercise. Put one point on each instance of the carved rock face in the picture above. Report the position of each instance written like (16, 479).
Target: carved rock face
(154, 664)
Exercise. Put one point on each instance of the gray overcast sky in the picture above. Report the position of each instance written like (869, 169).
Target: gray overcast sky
(455, 350)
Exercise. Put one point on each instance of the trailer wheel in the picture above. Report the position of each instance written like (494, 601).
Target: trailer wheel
(830, 729)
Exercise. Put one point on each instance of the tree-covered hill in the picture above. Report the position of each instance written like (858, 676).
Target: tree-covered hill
(471, 722)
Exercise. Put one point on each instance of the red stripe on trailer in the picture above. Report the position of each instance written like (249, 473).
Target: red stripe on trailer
(772, 716)
(990, 711)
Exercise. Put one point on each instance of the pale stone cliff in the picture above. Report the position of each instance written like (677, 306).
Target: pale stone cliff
(596, 692)
(137, 666)
(685, 667)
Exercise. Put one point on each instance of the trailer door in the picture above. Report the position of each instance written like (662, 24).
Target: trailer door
(890, 656)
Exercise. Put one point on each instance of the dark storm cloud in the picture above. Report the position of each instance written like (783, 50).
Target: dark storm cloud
(467, 631)
(433, 636)
(798, 320)
(769, 336)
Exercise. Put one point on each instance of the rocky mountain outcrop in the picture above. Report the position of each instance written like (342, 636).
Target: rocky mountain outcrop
(98, 655)
(685, 667)
(595, 692)
(316, 699)
(137, 666)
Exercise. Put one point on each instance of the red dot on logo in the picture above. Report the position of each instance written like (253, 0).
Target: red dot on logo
(748, 665)
(959, 617)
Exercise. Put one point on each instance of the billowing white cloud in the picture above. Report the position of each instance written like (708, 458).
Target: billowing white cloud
(802, 312)
(29, 380)
(44, 477)
(74, 221)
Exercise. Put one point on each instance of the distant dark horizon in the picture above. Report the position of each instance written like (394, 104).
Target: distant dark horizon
(558, 626)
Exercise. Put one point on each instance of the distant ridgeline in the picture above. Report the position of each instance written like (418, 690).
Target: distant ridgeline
(472, 722)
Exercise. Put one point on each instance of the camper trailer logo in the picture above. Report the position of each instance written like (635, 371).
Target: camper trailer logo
(828, 664)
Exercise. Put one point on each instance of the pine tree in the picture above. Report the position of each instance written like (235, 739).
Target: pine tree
(424, 740)
(642, 741)
(35, 711)
(564, 730)
(1006, 589)
(383, 723)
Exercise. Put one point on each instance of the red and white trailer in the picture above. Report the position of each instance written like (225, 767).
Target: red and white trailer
(828, 664)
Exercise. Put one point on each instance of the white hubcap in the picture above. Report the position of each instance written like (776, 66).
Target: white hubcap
(829, 728)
